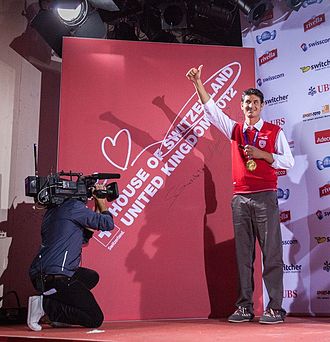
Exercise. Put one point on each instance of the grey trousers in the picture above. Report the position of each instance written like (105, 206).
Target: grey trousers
(256, 215)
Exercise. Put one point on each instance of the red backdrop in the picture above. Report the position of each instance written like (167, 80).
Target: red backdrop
(126, 107)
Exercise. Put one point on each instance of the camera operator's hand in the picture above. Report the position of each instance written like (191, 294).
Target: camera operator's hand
(100, 203)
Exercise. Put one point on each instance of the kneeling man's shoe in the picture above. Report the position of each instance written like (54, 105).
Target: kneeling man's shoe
(35, 312)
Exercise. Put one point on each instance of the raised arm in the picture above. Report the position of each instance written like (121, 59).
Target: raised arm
(194, 75)
(216, 116)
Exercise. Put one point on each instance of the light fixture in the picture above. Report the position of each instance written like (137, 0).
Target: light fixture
(223, 16)
(254, 10)
(173, 15)
(51, 29)
(73, 16)
(76, 18)
(107, 5)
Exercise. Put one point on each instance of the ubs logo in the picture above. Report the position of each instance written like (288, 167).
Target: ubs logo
(326, 266)
(321, 88)
(278, 122)
(290, 294)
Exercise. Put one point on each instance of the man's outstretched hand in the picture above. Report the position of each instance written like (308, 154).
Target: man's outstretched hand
(194, 74)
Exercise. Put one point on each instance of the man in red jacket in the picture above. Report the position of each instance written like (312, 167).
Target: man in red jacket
(258, 149)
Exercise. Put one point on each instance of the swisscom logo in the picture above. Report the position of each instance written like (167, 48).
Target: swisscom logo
(316, 43)
(289, 242)
(260, 81)
(321, 214)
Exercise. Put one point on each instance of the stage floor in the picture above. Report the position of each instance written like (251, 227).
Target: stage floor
(294, 329)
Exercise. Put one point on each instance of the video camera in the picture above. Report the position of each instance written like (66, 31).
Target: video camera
(53, 189)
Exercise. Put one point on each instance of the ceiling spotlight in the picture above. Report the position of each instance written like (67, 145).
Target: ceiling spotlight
(173, 15)
(73, 16)
(254, 10)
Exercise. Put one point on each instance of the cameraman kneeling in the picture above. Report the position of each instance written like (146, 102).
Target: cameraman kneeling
(55, 273)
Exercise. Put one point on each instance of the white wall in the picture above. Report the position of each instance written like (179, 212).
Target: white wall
(19, 109)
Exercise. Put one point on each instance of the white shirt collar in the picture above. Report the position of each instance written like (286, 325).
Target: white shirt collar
(257, 126)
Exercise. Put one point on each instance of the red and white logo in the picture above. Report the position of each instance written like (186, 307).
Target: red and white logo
(290, 293)
(324, 190)
(285, 216)
(281, 172)
(268, 56)
(278, 121)
(322, 136)
(109, 238)
(316, 21)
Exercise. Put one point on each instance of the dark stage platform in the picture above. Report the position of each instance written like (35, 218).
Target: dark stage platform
(197, 330)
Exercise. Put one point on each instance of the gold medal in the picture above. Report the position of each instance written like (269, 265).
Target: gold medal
(251, 165)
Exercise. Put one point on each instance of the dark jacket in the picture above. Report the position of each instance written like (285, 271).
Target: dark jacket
(63, 234)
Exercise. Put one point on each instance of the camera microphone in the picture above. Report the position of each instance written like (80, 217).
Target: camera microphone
(104, 175)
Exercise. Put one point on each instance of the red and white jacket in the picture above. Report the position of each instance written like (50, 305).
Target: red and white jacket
(264, 176)
(270, 138)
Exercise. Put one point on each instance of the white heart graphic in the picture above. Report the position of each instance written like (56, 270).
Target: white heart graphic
(113, 143)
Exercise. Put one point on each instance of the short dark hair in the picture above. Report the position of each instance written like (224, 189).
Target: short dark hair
(253, 91)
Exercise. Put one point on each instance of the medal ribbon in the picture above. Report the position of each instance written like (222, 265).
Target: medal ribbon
(246, 140)
(251, 164)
